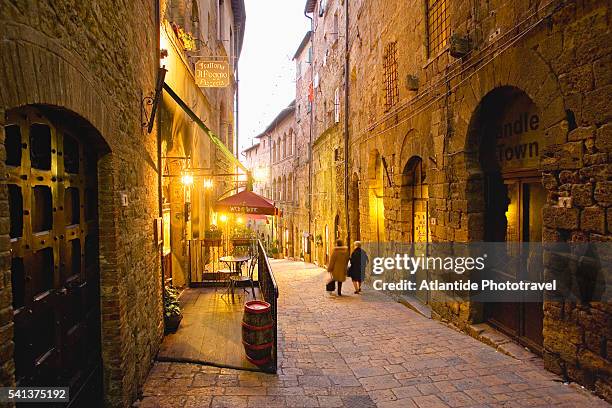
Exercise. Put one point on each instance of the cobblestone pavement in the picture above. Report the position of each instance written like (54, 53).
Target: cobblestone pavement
(363, 351)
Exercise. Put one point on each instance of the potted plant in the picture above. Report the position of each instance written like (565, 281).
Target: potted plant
(172, 309)
(213, 233)
(275, 253)
(187, 39)
(242, 236)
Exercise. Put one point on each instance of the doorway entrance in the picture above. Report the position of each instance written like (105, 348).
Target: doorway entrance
(523, 199)
(415, 200)
(511, 143)
(52, 186)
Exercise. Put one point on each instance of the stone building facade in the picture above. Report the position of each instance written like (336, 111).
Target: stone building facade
(82, 195)
(81, 288)
(273, 161)
(328, 81)
(468, 116)
(217, 28)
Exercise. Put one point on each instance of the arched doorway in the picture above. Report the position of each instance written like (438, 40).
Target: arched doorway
(336, 227)
(53, 205)
(506, 127)
(415, 203)
(376, 199)
(326, 244)
(415, 195)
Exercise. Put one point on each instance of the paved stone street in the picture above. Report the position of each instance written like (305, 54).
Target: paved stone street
(363, 351)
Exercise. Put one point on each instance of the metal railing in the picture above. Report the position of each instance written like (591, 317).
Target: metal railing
(269, 290)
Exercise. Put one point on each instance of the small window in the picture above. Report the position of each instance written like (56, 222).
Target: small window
(335, 34)
(438, 26)
(337, 105)
(390, 75)
(322, 6)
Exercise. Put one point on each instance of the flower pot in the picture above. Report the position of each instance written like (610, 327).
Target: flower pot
(172, 323)
(212, 234)
(241, 241)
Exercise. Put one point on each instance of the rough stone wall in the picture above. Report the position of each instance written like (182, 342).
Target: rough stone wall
(559, 56)
(303, 187)
(96, 59)
(283, 168)
(328, 129)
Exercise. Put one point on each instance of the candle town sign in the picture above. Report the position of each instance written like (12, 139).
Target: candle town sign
(519, 140)
(212, 74)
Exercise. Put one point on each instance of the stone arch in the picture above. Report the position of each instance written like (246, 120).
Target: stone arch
(414, 201)
(290, 142)
(521, 69)
(376, 206)
(336, 227)
(480, 158)
(414, 144)
(74, 95)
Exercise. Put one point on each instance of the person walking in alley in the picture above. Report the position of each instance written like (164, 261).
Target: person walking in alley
(359, 260)
(338, 263)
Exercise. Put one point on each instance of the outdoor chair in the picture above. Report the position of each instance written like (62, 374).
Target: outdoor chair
(237, 279)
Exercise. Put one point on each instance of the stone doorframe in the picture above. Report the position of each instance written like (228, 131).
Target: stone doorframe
(526, 71)
(413, 145)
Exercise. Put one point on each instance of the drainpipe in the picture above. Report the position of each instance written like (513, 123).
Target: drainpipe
(310, 245)
(346, 123)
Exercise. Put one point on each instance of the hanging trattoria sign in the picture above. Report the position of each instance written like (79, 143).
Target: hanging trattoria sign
(212, 74)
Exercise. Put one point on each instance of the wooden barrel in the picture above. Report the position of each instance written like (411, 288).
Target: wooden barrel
(257, 332)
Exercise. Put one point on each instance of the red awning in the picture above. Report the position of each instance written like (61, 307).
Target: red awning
(246, 202)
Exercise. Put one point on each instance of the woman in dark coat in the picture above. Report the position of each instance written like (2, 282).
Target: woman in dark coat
(359, 260)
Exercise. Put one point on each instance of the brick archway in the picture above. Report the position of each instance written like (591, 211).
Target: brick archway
(62, 86)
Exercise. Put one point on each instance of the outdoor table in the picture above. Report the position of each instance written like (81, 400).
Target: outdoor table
(235, 262)
(235, 265)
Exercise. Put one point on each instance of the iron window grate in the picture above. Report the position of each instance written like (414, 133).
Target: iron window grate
(438, 26)
(390, 75)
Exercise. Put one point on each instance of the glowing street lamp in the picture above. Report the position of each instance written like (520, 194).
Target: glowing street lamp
(187, 179)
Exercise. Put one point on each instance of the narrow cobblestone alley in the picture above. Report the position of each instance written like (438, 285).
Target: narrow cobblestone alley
(363, 351)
